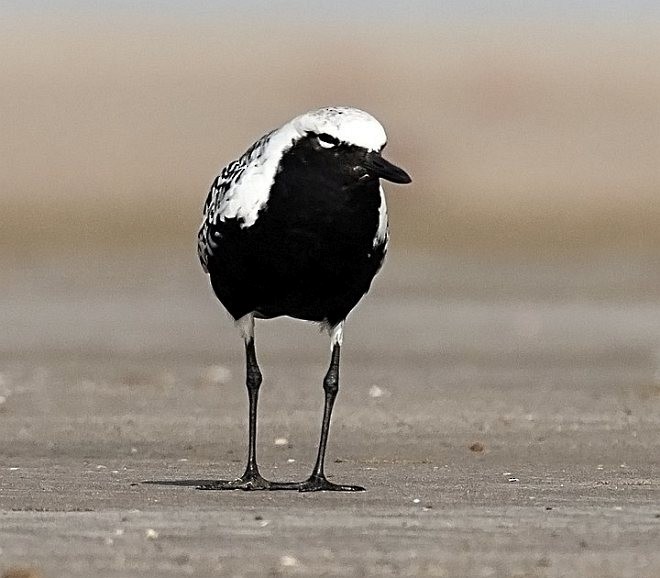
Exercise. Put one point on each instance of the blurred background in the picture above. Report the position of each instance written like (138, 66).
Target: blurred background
(528, 127)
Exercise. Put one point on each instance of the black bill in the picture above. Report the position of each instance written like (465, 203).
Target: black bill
(377, 166)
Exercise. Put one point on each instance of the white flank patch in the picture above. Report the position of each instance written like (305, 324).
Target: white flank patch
(381, 232)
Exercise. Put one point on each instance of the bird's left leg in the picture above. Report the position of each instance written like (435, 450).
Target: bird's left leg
(317, 481)
(251, 478)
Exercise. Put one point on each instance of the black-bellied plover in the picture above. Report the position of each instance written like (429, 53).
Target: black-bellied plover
(298, 227)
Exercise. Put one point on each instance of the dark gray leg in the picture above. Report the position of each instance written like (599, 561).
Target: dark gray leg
(251, 479)
(253, 382)
(317, 481)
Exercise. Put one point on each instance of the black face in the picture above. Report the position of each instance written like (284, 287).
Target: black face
(353, 163)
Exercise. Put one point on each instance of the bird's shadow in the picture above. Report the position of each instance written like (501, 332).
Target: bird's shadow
(191, 483)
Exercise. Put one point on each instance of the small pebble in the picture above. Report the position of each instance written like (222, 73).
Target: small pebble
(134, 450)
(375, 391)
(217, 374)
(13, 469)
(477, 447)
(281, 441)
(101, 467)
(416, 501)
(289, 561)
(182, 560)
(291, 461)
(151, 534)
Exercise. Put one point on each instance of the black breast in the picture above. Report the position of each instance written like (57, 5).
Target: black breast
(310, 254)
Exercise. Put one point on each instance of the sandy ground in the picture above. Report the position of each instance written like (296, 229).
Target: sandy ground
(118, 369)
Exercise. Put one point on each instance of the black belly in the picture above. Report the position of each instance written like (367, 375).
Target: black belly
(308, 256)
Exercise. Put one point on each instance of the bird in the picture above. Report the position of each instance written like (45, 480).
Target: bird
(298, 227)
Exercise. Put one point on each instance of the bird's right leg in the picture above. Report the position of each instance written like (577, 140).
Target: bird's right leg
(251, 478)
(317, 482)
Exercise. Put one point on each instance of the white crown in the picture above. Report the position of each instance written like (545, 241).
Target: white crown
(349, 125)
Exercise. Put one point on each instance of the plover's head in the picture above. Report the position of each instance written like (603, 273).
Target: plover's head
(347, 140)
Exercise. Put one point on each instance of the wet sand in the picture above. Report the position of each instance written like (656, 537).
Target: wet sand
(503, 415)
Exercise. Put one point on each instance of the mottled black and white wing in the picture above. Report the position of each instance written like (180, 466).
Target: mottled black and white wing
(238, 192)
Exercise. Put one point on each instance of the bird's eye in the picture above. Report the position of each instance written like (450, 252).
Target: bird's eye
(327, 141)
